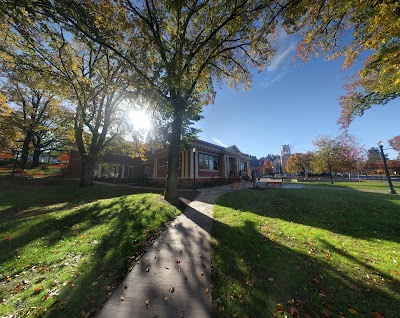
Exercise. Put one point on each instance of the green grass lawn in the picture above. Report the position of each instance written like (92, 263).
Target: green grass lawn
(367, 185)
(306, 253)
(64, 248)
(44, 171)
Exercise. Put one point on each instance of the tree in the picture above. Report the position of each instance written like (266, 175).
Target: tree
(299, 163)
(293, 164)
(340, 154)
(373, 155)
(86, 74)
(271, 157)
(35, 109)
(8, 132)
(375, 29)
(395, 144)
(178, 48)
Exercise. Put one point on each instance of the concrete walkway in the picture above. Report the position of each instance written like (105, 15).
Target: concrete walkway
(173, 278)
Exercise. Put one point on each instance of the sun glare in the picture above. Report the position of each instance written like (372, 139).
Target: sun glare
(140, 120)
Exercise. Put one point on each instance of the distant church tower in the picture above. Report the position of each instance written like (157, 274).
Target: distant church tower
(285, 154)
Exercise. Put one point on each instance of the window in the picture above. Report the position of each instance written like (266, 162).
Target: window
(208, 162)
(162, 162)
(243, 166)
(128, 172)
(147, 171)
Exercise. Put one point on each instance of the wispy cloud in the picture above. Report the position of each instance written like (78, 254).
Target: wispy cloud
(284, 51)
(281, 55)
(219, 142)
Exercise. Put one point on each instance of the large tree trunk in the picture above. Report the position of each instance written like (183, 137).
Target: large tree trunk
(88, 163)
(25, 151)
(171, 187)
(36, 157)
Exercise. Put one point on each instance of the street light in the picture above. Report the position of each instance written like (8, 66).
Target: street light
(194, 169)
(391, 189)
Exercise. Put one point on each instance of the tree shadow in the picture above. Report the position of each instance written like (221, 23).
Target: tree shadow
(356, 214)
(24, 198)
(94, 275)
(256, 276)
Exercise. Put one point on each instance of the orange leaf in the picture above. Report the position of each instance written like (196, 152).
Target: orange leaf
(38, 289)
(377, 314)
(353, 311)
(279, 308)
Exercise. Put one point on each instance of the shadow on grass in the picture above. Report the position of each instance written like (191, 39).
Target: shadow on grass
(257, 284)
(28, 197)
(92, 272)
(352, 213)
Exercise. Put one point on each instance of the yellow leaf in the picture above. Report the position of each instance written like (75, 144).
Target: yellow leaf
(353, 311)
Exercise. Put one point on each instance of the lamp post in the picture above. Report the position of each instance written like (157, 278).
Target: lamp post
(391, 189)
(194, 169)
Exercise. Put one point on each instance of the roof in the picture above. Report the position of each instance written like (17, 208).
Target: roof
(213, 148)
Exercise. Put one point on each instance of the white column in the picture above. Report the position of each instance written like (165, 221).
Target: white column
(123, 171)
(99, 171)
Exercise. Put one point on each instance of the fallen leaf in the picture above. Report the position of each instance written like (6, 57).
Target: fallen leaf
(121, 298)
(279, 308)
(172, 289)
(271, 279)
(293, 311)
(147, 303)
(206, 291)
(316, 280)
(353, 311)
(38, 289)
(377, 314)
(326, 313)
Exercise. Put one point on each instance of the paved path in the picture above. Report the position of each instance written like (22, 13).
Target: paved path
(173, 278)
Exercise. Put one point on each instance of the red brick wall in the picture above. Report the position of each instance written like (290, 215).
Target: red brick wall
(208, 173)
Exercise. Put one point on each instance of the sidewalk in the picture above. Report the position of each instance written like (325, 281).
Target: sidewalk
(173, 278)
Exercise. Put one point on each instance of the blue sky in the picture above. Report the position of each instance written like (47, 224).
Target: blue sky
(292, 103)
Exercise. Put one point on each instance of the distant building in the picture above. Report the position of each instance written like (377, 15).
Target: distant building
(285, 154)
(208, 162)
(276, 165)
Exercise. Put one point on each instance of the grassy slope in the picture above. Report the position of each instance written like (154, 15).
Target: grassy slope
(63, 248)
(314, 252)
(370, 185)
